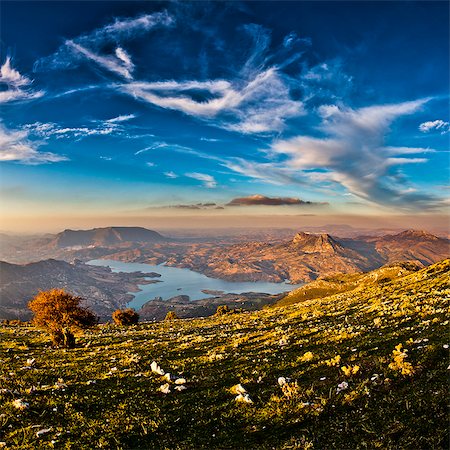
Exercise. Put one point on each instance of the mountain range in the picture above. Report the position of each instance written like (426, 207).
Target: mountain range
(309, 256)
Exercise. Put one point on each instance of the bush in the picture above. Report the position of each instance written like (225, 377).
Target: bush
(171, 315)
(222, 310)
(125, 317)
(60, 314)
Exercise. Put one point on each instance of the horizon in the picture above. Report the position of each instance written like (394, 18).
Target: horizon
(224, 114)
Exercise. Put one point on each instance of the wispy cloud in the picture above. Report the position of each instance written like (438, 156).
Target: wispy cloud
(93, 46)
(352, 153)
(207, 180)
(170, 174)
(438, 125)
(16, 86)
(15, 145)
(100, 128)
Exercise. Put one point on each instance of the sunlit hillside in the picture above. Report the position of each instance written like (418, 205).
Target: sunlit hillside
(365, 368)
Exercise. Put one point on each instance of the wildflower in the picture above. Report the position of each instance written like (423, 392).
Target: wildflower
(31, 362)
(377, 321)
(165, 388)
(342, 387)
(180, 388)
(333, 361)
(180, 381)
(169, 377)
(60, 384)
(399, 362)
(156, 369)
(238, 389)
(308, 356)
(349, 370)
(20, 404)
(445, 346)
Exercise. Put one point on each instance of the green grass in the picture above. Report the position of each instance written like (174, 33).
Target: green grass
(123, 407)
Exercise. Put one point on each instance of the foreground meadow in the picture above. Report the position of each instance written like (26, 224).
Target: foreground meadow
(360, 369)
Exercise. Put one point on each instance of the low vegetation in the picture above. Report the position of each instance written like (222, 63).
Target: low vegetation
(361, 369)
(171, 315)
(125, 317)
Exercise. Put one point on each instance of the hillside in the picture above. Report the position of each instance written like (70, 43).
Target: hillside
(347, 282)
(361, 369)
(103, 290)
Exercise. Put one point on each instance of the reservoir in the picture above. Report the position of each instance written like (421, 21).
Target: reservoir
(176, 281)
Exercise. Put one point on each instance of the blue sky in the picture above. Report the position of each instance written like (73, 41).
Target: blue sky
(150, 107)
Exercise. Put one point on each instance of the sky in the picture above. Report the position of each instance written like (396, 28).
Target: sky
(182, 111)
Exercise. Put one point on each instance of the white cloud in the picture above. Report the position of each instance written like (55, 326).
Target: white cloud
(351, 153)
(123, 118)
(444, 127)
(262, 104)
(15, 145)
(102, 128)
(17, 85)
(170, 174)
(113, 63)
(92, 46)
(207, 180)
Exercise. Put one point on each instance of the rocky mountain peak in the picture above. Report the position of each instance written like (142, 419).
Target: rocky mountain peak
(316, 243)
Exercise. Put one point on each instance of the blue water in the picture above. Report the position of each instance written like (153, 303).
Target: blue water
(175, 281)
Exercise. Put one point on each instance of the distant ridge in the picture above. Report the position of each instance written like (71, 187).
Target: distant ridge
(105, 237)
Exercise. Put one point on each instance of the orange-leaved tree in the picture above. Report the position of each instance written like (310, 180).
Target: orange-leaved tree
(61, 314)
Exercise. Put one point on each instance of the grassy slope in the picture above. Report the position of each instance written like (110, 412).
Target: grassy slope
(124, 408)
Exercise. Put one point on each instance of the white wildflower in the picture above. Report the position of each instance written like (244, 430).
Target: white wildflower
(180, 388)
(342, 387)
(180, 381)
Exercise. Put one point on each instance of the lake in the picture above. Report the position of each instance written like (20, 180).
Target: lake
(175, 281)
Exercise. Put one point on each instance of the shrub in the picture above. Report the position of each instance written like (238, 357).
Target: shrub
(125, 317)
(222, 310)
(171, 315)
(60, 314)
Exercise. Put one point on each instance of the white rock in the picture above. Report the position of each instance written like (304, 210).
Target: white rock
(43, 431)
(156, 369)
(165, 388)
(243, 398)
